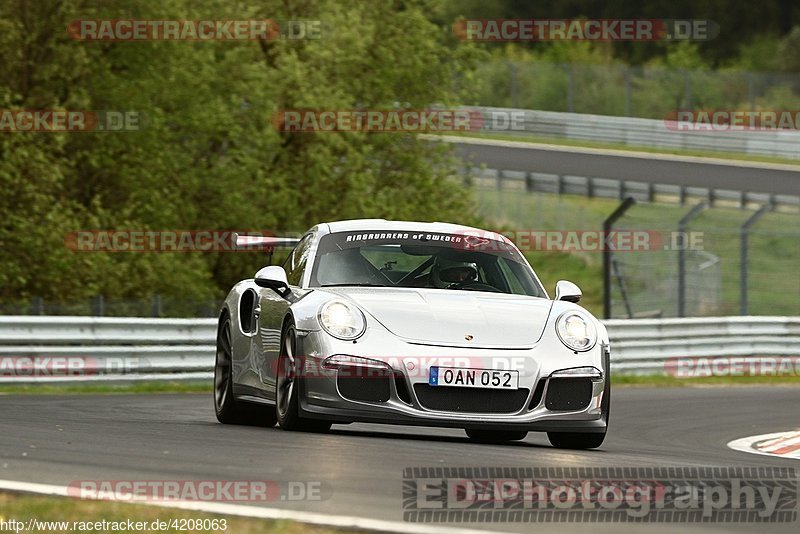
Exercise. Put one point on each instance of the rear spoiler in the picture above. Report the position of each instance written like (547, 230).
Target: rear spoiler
(264, 242)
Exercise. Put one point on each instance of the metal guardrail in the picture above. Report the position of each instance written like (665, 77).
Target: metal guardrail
(80, 349)
(57, 330)
(637, 132)
(646, 345)
(587, 186)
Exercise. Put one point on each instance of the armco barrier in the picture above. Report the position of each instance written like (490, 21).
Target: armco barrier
(638, 132)
(105, 348)
(643, 346)
(129, 349)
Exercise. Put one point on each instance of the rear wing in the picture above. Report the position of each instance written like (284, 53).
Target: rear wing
(263, 242)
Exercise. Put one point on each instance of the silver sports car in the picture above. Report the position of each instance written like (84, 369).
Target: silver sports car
(416, 324)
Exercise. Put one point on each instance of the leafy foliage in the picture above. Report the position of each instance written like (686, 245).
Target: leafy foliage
(209, 157)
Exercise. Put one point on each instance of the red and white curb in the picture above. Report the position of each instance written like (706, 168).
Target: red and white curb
(780, 444)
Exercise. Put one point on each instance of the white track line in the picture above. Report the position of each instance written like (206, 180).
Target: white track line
(328, 520)
(777, 445)
(614, 152)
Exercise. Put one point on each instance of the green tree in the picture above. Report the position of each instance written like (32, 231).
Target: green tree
(209, 157)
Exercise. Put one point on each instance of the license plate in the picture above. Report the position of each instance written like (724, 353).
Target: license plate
(474, 378)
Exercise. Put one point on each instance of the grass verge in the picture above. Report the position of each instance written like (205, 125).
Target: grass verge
(671, 381)
(67, 515)
(134, 387)
(651, 275)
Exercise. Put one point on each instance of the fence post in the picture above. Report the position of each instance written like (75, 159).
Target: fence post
(744, 233)
(628, 92)
(570, 88)
(694, 212)
(513, 68)
(622, 289)
(156, 305)
(98, 306)
(466, 176)
(529, 184)
(37, 306)
(607, 226)
(687, 88)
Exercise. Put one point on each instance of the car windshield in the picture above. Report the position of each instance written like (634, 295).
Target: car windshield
(423, 260)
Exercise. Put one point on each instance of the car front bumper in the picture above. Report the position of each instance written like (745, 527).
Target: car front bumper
(408, 367)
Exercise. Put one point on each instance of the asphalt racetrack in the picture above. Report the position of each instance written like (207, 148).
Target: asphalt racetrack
(61, 439)
(654, 168)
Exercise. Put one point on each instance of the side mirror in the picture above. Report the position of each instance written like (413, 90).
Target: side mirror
(566, 290)
(273, 277)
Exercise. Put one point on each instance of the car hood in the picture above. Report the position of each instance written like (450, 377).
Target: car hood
(449, 317)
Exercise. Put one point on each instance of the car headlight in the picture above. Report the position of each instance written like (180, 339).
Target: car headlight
(576, 331)
(342, 320)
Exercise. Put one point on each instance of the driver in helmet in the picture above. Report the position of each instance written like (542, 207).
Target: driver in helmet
(448, 273)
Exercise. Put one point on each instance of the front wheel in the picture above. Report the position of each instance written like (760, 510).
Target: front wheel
(496, 436)
(287, 389)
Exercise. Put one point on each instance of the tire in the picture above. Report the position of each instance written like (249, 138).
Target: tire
(287, 389)
(585, 440)
(226, 407)
(496, 436)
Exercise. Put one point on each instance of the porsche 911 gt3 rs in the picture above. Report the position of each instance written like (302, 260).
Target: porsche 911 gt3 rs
(411, 323)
